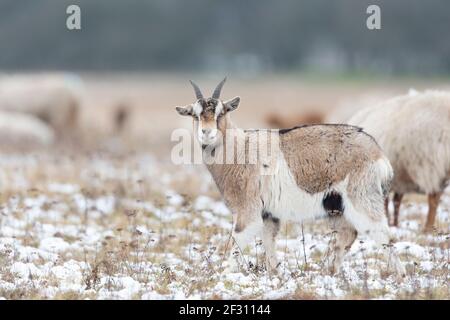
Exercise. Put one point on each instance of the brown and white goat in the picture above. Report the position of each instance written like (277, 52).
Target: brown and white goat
(333, 171)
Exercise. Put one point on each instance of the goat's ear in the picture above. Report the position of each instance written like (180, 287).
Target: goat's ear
(185, 111)
(232, 104)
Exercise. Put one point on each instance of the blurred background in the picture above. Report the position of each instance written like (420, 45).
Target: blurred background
(114, 83)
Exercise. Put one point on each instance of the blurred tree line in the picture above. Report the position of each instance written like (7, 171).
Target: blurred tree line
(250, 36)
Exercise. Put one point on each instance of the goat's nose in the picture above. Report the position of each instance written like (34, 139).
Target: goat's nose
(206, 131)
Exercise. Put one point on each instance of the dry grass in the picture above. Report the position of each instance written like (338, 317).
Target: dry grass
(102, 235)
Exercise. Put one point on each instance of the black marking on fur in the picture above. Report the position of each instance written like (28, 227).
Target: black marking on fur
(283, 131)
(332, 203)
(268, 216)
(358, 129)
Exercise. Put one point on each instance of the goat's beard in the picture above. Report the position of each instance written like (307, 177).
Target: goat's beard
(209, 148)
(212, 153)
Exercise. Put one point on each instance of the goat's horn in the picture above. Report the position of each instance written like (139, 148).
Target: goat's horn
(198, 93)
(216, 93)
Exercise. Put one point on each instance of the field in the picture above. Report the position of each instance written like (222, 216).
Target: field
(110, 217)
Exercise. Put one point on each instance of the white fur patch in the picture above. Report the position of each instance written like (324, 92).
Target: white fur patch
(384, 171)
(219, 109)
(286, 201)
(197, 108)
(199, 132)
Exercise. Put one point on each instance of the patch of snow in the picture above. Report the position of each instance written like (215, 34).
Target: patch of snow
(65, 188)
(53, 244)
(25, 270)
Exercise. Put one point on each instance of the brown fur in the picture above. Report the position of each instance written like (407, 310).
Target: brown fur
(322, 155)
(318, 156)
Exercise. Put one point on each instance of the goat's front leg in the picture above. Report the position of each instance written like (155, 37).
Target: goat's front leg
(270, 231)
(246, 228)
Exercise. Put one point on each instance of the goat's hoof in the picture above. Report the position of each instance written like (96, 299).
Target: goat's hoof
(273, 268)
(272, 265)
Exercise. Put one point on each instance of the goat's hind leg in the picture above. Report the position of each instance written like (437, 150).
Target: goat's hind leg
(375, 226)
(344, 234)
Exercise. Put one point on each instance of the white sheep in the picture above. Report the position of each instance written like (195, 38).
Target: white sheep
(53, 98)
(346, 108)
(18, 129)
(414, 132)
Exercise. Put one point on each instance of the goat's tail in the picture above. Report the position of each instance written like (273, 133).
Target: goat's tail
(369, 188)
(385, 174)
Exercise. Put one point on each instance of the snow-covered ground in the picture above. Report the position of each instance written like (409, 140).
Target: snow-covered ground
(105, 227)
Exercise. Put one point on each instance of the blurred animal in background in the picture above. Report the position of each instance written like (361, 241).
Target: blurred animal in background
(346, 108)
(121, 117)
(118, 137)
(23, 130)
(275, 120)
(414, 132)
(54, 99)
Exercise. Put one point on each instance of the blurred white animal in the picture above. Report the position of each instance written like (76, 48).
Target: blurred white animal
(345, 109)
(414, 132)
(55, 99)
(24, 129)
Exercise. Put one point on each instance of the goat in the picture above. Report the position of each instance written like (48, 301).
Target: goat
(414, 132)
(333, 171)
